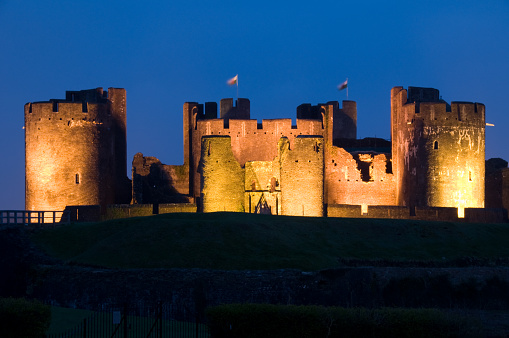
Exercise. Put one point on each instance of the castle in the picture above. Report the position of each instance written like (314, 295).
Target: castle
(75, 150)
(75, 155)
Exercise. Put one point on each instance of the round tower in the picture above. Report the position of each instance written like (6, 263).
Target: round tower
(75, 150)
(438, 149)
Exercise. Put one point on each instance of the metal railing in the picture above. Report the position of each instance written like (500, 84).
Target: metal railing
(159, 321)
(28, 217)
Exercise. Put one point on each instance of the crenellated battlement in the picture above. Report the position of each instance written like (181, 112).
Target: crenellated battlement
(441, 113)
(424, 105)
(75, 152)
(93, 105)
(241, 111)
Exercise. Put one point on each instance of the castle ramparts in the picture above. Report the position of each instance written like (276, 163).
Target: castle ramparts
(75, 150)
(235, 163)
(438, 150)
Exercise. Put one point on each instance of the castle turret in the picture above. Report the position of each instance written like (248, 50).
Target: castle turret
(75, 150)
(222, 178)
(227, 111)
(437, 149)
(302, 176)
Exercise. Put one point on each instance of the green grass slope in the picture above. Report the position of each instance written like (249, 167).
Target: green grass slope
(245, 241)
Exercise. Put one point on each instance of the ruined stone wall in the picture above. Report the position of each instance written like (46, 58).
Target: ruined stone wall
(497, 183)
(302, 176)
(253, 141)
(222, 183)
(116, 211)
(438, 151)
(471, 215)
(84, 213)
(169, 208)
(345, 121)
(154, 182)
(262, 187)
(358, 178)
(75, 150)
(505, 188)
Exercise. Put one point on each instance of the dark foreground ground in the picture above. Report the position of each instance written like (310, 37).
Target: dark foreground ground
(291, 259)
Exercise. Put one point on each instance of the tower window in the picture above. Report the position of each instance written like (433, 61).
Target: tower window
(77, 178)
(435, 145)
(470, 176)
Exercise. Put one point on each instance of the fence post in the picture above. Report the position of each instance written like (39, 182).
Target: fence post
(125, 321)
(85, 328)
(196, 321)
(160, 319)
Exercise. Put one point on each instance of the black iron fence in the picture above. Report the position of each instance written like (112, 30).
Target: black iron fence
(162, 320)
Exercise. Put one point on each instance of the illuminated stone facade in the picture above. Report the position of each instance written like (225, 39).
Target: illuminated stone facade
(437, 157)
(438, 149)
(75, 155)
(75, 150)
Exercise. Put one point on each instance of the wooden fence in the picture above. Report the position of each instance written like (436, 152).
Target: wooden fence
(29, 217)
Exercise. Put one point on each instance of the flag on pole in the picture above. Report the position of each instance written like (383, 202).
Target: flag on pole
(343, 85)
(234, 80)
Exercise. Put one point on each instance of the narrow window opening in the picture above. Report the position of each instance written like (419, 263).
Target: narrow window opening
(55, 106)
(84, 107)
(77, 178)
(470, 176)
(435, 145)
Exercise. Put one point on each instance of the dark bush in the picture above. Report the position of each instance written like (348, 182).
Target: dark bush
(262, 320)
(23, 318)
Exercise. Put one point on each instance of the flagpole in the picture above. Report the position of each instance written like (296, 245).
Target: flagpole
(237, 89)
(347, 89)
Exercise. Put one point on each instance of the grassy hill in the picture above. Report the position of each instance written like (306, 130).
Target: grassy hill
(246, 241)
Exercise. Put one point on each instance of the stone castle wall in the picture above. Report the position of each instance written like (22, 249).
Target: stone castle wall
(302, 176)
(359, 178)
(75, 150)
(253, 141)
(471, 215)
(437, 149)
(75, 155)
(263, 187)
(154, 182)
(222, 186)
